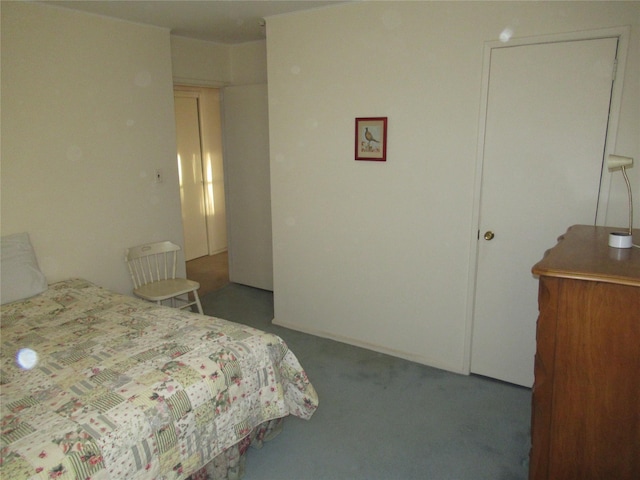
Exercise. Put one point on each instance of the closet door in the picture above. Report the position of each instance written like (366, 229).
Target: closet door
(192, 195)
(545, 133)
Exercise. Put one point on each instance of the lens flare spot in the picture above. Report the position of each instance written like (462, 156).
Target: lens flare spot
(26, 358)
(506, 35)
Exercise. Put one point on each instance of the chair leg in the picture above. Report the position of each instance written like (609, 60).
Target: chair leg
(197, 298)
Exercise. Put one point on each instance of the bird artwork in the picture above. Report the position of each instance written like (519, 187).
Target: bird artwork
(369, 136)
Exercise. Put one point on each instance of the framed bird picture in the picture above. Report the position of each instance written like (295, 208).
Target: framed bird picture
(371, 139)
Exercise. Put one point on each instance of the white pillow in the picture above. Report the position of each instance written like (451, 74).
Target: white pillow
(20, 276)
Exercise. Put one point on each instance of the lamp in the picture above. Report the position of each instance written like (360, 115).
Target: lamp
(622, 239)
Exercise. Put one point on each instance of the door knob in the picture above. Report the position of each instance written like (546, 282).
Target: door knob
(488, 235)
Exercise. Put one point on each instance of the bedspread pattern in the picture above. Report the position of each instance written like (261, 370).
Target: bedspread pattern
(124, 389)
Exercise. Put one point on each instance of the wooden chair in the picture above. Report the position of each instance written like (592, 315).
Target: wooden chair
(153, 271)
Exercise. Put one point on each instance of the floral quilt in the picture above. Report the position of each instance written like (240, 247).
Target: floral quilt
(96, 385)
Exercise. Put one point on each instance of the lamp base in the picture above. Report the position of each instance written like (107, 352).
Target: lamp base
(620, 240)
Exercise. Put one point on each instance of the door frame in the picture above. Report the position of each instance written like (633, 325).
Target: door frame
(622, 33)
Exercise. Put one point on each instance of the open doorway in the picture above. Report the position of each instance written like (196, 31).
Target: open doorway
(202, 186)
(243, 186)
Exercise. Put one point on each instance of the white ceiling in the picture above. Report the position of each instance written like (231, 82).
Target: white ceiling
(221, 21)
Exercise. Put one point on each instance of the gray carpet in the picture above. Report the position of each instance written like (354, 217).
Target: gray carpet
(384, 418)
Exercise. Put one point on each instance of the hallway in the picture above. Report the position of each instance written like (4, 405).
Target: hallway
(211, 271)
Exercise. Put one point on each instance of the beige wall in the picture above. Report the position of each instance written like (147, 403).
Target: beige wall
(375, 254)
(87, 117)
(196, 62)
(249, 63)
(379, 254)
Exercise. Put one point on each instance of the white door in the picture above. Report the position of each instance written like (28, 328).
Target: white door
(194, 219)
(247, 172)
(545, 132)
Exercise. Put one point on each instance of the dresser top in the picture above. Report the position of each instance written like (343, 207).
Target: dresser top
(583, 253)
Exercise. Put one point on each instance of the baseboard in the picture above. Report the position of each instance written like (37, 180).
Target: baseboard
(430, 362)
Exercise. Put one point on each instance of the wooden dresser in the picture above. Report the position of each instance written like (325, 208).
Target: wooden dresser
(585, 417)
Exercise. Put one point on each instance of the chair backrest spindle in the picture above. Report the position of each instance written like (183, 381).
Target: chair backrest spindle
(175, 262)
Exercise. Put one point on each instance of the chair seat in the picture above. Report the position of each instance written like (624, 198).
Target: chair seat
(165, 289)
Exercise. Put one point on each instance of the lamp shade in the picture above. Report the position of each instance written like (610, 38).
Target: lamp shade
(616, 162)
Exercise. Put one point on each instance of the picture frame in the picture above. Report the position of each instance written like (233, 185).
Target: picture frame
(371, 139)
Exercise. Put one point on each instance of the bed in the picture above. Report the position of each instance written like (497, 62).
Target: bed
(104, 386)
